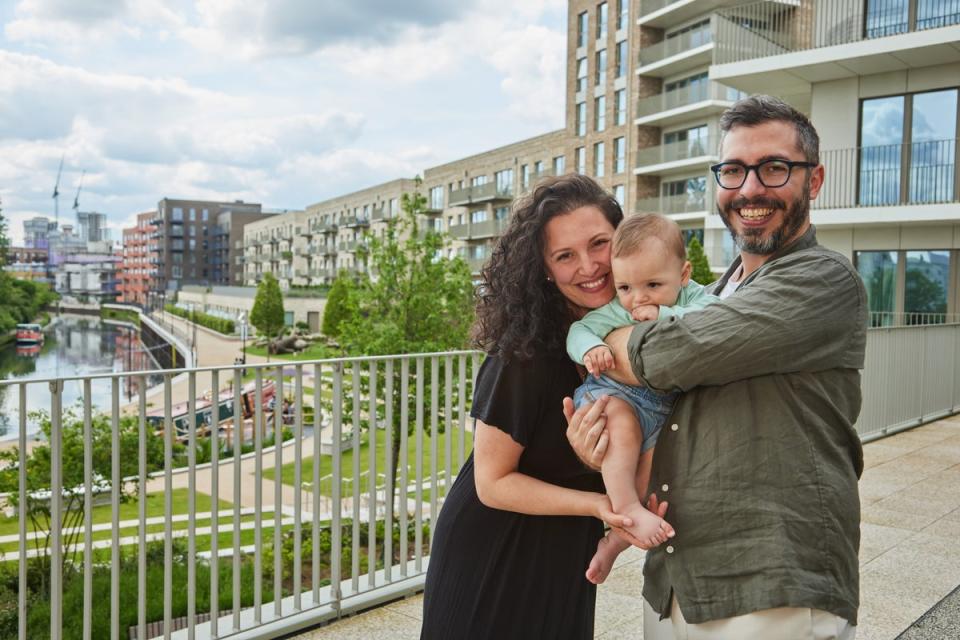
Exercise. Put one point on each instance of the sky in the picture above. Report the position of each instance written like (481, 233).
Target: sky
(282, 102)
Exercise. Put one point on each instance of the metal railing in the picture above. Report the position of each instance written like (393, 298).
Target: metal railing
(910, 318)
(480, 193)
(675, 45)
(279, 555)
(898, 174)
(676, 151)
(684, 203)
(667, 100)
(765, 29)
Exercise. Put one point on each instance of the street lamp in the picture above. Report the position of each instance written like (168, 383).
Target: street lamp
(242, 319)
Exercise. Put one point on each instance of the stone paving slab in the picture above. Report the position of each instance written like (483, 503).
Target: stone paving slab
(909, 555)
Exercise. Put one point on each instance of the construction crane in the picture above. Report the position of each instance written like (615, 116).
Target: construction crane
(76, 198)
(56, 195)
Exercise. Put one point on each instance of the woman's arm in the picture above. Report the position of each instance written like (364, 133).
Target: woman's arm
(496, 457)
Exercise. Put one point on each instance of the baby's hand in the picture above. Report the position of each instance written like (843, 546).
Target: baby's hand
(645, 312)
(598, 360)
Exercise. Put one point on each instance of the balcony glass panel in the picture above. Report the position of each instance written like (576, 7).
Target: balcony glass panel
(927, 282)
(937, 13)
(887, 17)
(933, 150)
(881, 134)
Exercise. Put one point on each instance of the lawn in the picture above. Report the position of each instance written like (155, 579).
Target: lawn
(315, 351)
(346, 458)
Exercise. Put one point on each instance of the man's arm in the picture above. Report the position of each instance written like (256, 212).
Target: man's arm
(806, 313)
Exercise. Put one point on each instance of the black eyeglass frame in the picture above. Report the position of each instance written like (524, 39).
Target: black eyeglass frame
(791, 165)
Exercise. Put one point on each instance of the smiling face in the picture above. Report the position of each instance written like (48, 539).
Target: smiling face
(577, 257)
(762, 219)
(653, 274)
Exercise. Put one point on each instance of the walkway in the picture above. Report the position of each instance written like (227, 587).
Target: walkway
(909, 554)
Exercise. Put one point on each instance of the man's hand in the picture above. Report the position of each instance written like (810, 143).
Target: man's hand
(586, 431)
(598, 359)
(645, 312)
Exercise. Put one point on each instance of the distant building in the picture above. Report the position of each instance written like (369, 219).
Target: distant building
(35, 232)
(136, 273)
(27, 263)
(92, 226)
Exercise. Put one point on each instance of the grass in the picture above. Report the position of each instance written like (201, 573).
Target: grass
(314, 351)
(346, 458)
(129, 510)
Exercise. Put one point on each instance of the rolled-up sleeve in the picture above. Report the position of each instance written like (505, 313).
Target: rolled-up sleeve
(795, 314)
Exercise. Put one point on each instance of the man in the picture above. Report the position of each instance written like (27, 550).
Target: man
(760, 460)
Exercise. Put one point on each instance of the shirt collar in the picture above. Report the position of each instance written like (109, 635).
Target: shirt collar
(805, 241)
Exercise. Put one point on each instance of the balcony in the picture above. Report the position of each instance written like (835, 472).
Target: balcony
(666, 13)
(352, 245)
(909, 182)
(354, 221)
(701, 100)
(676, 157)
(380, 213)
(689, 206)
(677, 54)
(488, 192)
(326, 227)
(782, 49)
(908, 380)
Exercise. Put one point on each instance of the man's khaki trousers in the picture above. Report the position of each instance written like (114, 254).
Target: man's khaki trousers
(769, 624)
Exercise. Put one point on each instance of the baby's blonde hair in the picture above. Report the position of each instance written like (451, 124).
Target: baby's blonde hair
(638, 228)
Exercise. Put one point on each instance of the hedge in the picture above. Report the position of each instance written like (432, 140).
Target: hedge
(220, 325)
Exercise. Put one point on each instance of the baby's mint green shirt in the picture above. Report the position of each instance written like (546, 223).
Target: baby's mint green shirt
(589, 332)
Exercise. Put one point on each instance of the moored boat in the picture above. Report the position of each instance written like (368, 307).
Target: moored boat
(29, 334)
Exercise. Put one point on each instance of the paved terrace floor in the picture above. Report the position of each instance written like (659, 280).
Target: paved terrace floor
(909, 553)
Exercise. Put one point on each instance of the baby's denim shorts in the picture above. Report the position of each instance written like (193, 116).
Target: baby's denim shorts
(652, 408)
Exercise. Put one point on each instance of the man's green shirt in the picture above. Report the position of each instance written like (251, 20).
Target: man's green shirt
(760, 460)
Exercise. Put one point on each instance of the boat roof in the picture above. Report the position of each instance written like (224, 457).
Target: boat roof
(36, 327)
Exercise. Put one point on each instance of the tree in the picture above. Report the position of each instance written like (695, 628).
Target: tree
(412, 299)
(38, 468)
(701, 267)
(4, 240)
(340, 305)
(267, 314)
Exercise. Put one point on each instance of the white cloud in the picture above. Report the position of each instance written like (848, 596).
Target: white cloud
(76, 24)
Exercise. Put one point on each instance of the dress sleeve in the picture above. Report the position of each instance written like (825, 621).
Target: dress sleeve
(506, 397)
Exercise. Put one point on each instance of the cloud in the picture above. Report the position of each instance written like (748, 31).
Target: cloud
(73, 24)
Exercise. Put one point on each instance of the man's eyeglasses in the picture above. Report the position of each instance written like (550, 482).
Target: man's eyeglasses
(772, 173)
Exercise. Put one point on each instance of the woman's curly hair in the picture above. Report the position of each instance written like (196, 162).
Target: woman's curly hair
(520, 313)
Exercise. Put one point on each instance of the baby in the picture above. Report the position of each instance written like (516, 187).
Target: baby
(652, 277)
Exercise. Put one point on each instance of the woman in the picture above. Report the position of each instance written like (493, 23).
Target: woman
(524, 517)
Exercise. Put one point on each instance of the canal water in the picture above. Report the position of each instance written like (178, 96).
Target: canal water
(73, 346)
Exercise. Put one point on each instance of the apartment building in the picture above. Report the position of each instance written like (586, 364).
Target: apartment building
(136, 271)
(191, 247)
(268, 247)
(646, 84)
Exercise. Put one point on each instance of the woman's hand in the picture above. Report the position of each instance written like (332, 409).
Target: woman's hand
(653, 506)
(605, 512)
(586, 431)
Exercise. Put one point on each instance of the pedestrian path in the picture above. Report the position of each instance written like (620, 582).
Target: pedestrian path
(909, 551)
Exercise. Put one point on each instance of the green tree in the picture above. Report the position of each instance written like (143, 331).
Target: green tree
(411, 299)
(340, 305)
(4, 240)
(267, 314)
(701, 267)
(39, 465)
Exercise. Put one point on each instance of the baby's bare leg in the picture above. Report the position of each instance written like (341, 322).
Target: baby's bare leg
(624, 469)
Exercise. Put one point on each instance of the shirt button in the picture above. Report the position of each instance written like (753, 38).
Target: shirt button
(674, 427)
(665, 487)
(670, 549)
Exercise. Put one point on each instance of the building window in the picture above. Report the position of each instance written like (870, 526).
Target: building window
(684, 196)
(504, 180)
(623, 14)
(478, 215)
(619, 193)
(395, 204)
(696, 89)
(580, 160)
(436, 197)
(598, 159)
(525, 175)
(621, 59)
(581, 74)
(619, 155)
(696, 34)
(927, 282)
(600, 113)
(177, 214)
(582, 27)
(581, 118)
(878, 270)
(478, 181)
(686, 143)
(601, 67)
(602, 20)
(620, 100)
(538, 167)
(205, 214)
(501, 213)
(926, 146)
(559, 165)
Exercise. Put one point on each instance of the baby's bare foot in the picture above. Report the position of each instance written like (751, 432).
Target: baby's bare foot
(609, 547)
(649, 528)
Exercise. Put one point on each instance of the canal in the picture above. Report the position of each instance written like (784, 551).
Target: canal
(73, 346)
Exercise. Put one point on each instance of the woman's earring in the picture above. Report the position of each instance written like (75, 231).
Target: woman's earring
(549, 279)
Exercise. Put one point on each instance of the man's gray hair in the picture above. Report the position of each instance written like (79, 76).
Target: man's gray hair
(755, 110)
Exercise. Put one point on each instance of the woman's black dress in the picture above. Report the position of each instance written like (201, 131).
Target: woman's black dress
(500, 574)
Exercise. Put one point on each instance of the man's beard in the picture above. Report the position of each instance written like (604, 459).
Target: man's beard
(753, 241)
